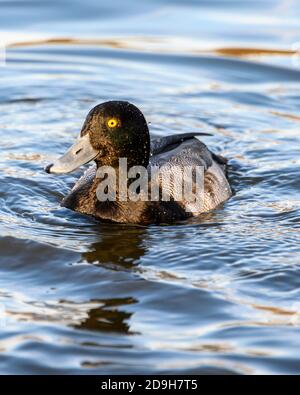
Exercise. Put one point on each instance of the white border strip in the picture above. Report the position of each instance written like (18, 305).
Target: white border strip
(2, 56)
(3, 317)
(296, 55)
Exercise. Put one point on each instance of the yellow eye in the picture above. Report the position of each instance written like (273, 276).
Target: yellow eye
(112, 123)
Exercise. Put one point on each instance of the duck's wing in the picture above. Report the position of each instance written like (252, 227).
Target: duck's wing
(180, 149)
(183, 151)
(86, 178)
(163, 144)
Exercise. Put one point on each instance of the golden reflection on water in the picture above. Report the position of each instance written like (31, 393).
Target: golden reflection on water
(292, 117)
(156, 44)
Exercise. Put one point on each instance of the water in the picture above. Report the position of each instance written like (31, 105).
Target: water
(218, 294)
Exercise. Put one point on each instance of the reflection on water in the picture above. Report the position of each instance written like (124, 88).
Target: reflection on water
(216, 294)
(95, 315)
(107, 317)
(122, 248)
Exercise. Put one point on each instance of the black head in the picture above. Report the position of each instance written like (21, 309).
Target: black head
(118, 129)
(112, 130)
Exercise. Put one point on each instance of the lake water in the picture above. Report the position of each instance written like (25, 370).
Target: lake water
(220, 294)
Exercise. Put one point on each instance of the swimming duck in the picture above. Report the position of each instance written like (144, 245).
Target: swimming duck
(118, 129)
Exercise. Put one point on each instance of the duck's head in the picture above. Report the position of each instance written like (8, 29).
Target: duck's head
(112, 130)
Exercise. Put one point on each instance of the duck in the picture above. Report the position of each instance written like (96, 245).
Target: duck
(118, 129)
